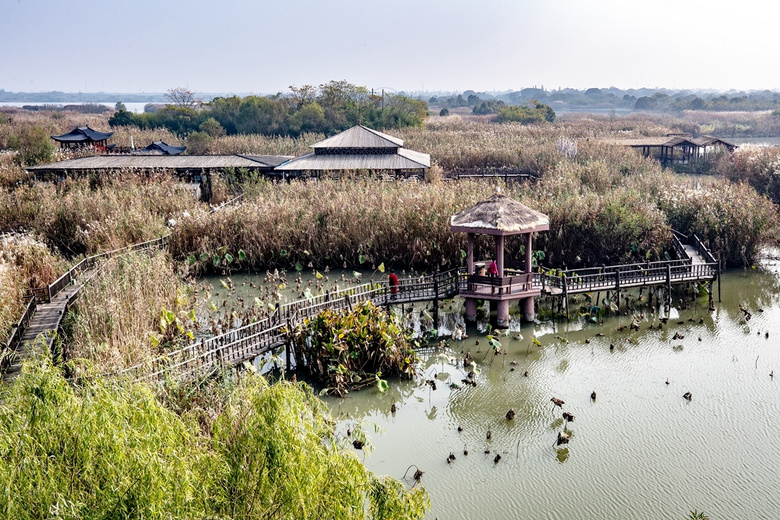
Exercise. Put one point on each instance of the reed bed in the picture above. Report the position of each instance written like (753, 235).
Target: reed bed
(87, 216)
(24, 263)
(103, 333)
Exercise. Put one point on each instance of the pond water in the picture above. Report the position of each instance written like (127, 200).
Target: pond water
(758, 141)
(640, 450)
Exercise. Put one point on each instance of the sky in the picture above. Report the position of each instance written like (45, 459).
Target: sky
(262, 46)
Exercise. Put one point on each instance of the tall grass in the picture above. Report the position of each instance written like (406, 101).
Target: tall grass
(24, 263)
(108, 451)
(116, 322)
(86, 216)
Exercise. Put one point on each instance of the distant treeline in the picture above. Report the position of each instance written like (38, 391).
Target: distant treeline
(662, 100)
(329, 108)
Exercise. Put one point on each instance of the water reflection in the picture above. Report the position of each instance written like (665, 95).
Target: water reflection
(640, 446)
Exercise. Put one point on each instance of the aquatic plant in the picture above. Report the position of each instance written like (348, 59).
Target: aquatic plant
(353, 349)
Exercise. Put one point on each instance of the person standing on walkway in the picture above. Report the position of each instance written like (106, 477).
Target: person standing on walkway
(493, 269)
(393, 280)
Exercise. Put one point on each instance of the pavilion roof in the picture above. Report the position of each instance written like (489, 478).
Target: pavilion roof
(359, 148)
(163, 148)
(82, 134)
(359, 137)
(499, 215)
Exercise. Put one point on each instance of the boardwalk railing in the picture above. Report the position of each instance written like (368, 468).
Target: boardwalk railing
(263, 336)
(630, 275)
(703, 251)
(18, 332)
(89, 262)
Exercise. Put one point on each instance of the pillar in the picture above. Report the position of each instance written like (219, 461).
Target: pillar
(500, 255)
(529, 312)
(471, 310)
(470, 254)
(502, 314)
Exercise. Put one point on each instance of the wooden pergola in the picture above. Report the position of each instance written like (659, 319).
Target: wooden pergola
(500, 216)
(675, 148)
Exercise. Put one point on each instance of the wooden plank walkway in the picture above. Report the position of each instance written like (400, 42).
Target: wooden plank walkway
(267, 335)
(45, 322)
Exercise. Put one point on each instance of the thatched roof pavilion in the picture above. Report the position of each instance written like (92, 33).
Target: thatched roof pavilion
(358, 148)
(499, 216)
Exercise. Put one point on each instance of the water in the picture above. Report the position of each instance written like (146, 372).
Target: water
(639, 450)
(138, 108)
(758, 141)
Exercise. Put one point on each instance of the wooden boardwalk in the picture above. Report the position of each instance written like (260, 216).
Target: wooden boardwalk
(268, 335)
(48, 306)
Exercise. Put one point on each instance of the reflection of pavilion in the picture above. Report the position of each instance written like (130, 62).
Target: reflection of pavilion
(500, 216)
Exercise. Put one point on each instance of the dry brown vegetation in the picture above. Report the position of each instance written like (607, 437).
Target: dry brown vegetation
(606, 204)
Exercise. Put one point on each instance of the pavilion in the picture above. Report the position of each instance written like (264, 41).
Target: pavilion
(500, 216)
(357, 149)
(161, 148)
(83, 136)
(676, 148)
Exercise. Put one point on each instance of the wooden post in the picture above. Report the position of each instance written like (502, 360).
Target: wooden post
(435, 302)
(565, 296)
(718, 275)
(668, 286)
(617, 286)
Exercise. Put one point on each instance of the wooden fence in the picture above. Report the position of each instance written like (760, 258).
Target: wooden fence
(264, 336)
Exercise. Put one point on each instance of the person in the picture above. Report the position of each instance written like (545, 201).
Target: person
(393, 279)
(493, 269)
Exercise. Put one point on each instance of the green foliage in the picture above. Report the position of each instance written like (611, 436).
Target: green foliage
(105, 450)
(353, 349)
(212, 127)
(330, 108)
(33, 144)
(531, 112)
(444, 112)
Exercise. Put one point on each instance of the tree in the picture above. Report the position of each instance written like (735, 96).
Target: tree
(303, 95)
(183, 98)
(444, 112)
(212, 127)
(33, 145)
(120, 107)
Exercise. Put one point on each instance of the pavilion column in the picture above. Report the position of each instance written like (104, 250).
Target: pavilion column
(500, 255)
(471, 303)
(502, 314)
(470, 254)
(529, 312)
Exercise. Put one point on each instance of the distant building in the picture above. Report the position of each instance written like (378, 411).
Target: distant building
(675, 148)
(84, 136)
(358, 149)
(161, 148)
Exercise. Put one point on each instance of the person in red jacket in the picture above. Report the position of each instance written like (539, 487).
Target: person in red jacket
(393, 279)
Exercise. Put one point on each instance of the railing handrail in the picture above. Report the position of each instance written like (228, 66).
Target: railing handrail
(21, 326)
(289, 312)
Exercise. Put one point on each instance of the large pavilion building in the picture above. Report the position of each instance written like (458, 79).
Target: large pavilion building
(358, 149)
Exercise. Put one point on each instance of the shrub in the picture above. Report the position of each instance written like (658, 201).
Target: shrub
(103, 450)
(33, 145)
(346, 350)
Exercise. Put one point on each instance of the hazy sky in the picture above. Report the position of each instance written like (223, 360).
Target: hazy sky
(264, 46)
